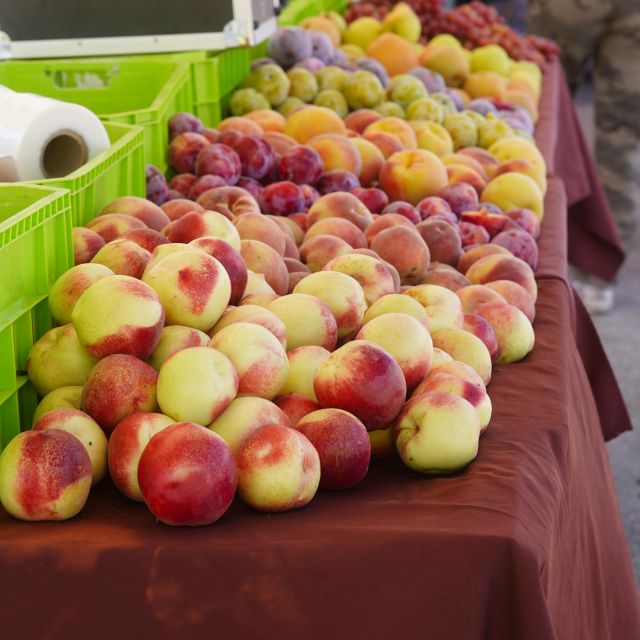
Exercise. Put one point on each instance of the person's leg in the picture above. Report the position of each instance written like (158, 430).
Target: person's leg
(576, 25)
(616, 79)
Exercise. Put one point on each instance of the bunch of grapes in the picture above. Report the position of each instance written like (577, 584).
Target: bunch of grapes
(475, 24)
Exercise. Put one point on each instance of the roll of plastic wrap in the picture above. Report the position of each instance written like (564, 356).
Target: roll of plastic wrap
(44, 138)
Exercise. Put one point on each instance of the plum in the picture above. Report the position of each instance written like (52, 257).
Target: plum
(184, 149)
(182, 183)
(245, 101)
(256, 156)
(460, 196)
(431, 80)
(373, 66)
(290, 45)
(183, 122)
(282, 198)
(302, 165)
(337, 180)
(250, 185)
(374, 199)
(157, 188)
(204, 183)
(321, 46)
(220, 160)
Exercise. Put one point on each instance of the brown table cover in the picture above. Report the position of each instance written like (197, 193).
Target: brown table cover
(594, 243)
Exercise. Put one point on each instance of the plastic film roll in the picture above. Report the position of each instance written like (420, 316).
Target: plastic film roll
(44, 138)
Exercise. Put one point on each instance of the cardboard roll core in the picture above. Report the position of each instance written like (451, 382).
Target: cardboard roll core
(63, 153)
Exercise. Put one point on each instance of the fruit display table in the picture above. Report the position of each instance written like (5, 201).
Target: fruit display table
(594, 245)
(526, 543)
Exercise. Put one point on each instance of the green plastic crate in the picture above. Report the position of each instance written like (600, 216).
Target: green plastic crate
(36, 247)
(16, 410)
(140, 92)
(117, 171)
(339, 6)
(297, 10)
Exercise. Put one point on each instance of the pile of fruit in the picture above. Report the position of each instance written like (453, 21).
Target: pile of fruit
(308, 292)
(475, 24)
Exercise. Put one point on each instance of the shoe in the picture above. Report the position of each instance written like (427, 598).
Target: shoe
(598, 299)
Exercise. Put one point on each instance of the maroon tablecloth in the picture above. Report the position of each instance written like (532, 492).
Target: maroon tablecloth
(594, 244)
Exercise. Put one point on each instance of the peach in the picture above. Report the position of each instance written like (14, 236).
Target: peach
(433, 137)
(386, 221)
(320, 249)
(44, 475)
(163, 250)
(58, 359)
(514, 191)
(527, 219)
(280, 142)
(457, 173)
(395, 127)
(118, 314)
(230, 259)
(290, 248)
(257, 286)
(187, 475)
(521, 166)
(146, 238)
(340, 228)
(308, 321)
(243, 125)
(253, 314)
(471, 256)
(118, 386)
(475, 395)
(254, 226)
(112, 225)
(141, 208)
(442, 238)
(382, 445)
(194, 288)
(289, 227)
(473, 323)
(68, 288)
(450, 62)
(385, 143)
(394, 53)
(295, 266)
(371, 158)
(458, 369)
(178, 207)
(295, 406)
(412, 175)
(465, 347)
(196, 384)
(503, 267)
(342, 294)
(437, 433)
(441, 357)
(442, 305)
(363, 379)
(360, 119)
(340, 205)
(68, 397)
(174, 338)
(395, 276)
(244, 416)
(295, 278)
(229, 201)
(445, 276)
(404, 338)
(513, 330)
(374, 278)
(465, 160)
(268, 120)
(86, 244)
(343, 446)
(517, 148)
(258, 357)
(123, 257)
(405, 249)
(263, 259)
(198, 224)
(485, 84)
(515, 294)
(126, 444)
(278, 469)
(309, 121)
(475, 294)
(337, 152)
(83, 427)
(397, 303)
(303, 363)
